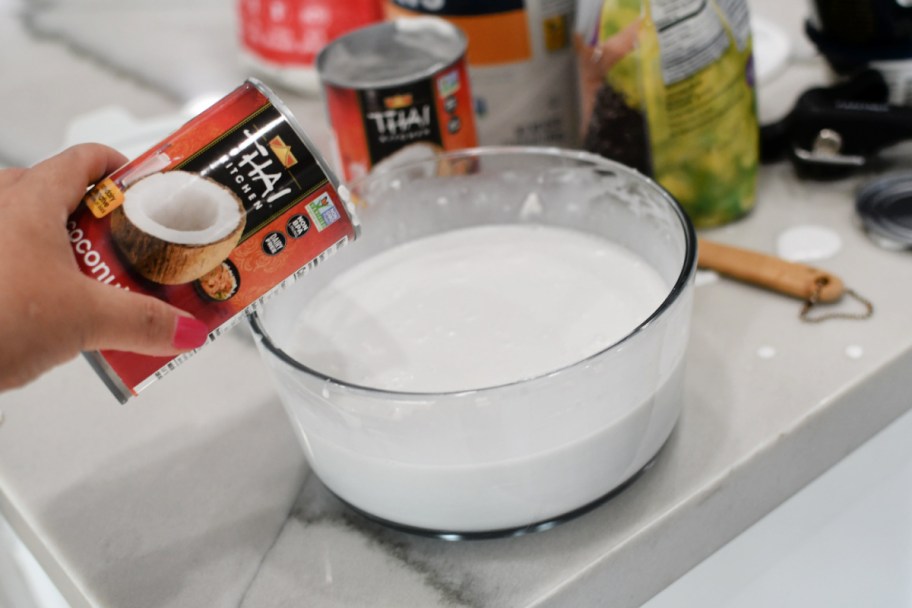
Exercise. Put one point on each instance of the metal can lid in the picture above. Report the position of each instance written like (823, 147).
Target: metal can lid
(885, 208)
(391, 53)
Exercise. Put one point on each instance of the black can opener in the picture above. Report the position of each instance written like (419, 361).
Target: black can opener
(831, 130)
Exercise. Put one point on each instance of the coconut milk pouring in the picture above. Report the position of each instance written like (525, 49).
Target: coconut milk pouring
(213, 219)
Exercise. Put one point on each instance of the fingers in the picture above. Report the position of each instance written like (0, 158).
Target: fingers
(62, 179)
(121, 320)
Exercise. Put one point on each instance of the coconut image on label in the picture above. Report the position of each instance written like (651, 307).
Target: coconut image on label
(175, 227)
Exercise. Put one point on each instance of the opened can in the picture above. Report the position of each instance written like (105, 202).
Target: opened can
(212, 220)
(397, 91)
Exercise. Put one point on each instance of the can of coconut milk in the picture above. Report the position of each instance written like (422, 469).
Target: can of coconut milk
(521, 62)
(397, 91)
(213, 219)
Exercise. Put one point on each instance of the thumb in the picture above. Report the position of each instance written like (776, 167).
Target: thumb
(121, 320)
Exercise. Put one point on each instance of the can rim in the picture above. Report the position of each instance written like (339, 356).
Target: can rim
(347, 83)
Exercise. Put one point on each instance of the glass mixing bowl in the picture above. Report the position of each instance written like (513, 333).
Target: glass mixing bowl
(514, 457)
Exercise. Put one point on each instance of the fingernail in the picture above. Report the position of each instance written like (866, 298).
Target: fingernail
(189, 333)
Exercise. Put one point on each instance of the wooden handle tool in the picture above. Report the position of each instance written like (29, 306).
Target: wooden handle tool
(790, 278)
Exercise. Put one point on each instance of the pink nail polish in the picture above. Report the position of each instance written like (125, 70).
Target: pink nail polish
(189, 333)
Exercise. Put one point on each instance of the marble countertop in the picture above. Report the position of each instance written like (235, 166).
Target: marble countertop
(197, 493)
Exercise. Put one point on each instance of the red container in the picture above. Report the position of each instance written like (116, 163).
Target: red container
(280, 39)
(213, 219)
(397, 91)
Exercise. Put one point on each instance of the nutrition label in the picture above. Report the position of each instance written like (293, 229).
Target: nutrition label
(738, 18)
(691, 37)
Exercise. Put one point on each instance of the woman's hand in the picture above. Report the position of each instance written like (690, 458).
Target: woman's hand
(50, 310)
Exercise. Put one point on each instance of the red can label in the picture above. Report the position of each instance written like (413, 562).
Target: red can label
(371, 125)
(292, 32)
(212, 219)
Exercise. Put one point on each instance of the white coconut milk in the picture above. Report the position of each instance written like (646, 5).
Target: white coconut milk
(484, 494)
(473, 308)
(476, 308)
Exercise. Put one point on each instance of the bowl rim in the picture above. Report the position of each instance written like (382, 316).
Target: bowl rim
(688, 269)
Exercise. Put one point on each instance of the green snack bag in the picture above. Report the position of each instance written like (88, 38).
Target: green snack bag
(667, 88)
